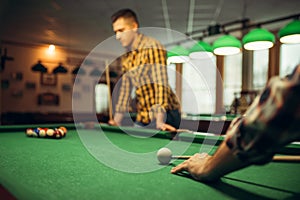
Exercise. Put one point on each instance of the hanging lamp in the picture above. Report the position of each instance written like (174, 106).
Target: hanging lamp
(178, 54)
(201, 50)
(258, 39)
(227, 45)
(290, 34)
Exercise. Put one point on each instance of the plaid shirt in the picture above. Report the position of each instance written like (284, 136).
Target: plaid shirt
(271, 122)
(144, 67)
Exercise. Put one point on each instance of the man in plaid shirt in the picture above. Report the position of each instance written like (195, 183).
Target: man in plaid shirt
(144, 67)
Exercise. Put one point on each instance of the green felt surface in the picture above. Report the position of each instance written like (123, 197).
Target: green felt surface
(38, 168)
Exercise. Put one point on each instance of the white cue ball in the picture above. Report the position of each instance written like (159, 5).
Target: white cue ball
(164, 155)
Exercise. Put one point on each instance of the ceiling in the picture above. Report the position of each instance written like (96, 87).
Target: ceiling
(82, 24)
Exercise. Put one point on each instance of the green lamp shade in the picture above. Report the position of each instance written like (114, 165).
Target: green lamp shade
(227, 45)
(258, 39)
(290, 34)
(178, 54)
(60, 69)
(39, 67)
(201, 50)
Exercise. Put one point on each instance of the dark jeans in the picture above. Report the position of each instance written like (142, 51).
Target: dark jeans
(173, 119)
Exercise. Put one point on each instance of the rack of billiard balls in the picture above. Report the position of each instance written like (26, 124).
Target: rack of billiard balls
(56, 133)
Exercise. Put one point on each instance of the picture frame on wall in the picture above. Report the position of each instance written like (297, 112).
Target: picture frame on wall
(66, 87)
(5, 84)
(30, 85)
(48, 79)
(17, 93)
(18, 76)
(48, 98)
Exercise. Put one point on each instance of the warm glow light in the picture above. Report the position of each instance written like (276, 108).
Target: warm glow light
(227, 45)
(290, 34)
(177, 59)
(258, 39)
(201, 55)
(226, 51)
(51, 49)
(259, 45)
(290, 39)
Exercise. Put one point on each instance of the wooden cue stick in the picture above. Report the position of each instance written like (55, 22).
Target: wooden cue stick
(275, 158)
(281, 158)
(181, 157)
(286, 159)
(109, 91)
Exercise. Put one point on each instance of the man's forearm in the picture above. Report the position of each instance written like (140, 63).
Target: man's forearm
(159, 119)
(223, 162)
(118, 117)
(204, 167)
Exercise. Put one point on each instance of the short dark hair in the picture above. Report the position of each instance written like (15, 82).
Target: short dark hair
(125, 13)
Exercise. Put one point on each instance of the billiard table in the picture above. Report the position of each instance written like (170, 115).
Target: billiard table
(214, 123)
(105, 162)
